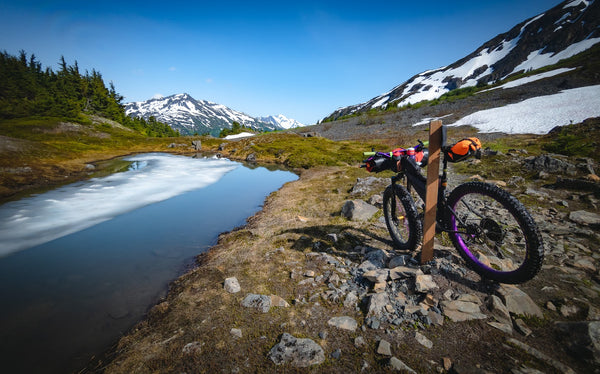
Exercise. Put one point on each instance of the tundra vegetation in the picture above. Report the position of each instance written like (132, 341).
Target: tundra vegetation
(299, 258)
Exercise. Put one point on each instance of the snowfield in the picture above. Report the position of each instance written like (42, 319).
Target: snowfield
(239, 136)
(538, 115)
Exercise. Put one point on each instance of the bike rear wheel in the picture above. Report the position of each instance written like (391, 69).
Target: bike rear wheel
(494, 233)
(401, 217)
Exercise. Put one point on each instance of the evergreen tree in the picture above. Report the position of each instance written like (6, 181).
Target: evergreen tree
(27, 90)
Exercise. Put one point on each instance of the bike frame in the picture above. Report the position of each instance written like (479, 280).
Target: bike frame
(416, 180)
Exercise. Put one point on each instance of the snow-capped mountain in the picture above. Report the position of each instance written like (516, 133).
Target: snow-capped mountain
(563, 31)
(281, 121)
(188, 115)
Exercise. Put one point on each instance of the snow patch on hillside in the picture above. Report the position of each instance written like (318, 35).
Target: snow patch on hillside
(538, 59)
(531, 78)
(239, 136)
(538, 115)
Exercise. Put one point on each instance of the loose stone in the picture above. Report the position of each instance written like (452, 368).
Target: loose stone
(260, 302)
(236, 333)
(192, 348)
(296, 352)
(422, 339)
(518, 302)
(398, 365)
(384, 348)
(232, 285)
(344, 323)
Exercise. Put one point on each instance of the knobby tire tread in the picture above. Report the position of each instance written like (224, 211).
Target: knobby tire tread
(415, 227)
(534, 247)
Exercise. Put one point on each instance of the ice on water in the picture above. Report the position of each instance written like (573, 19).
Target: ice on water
(151, 178)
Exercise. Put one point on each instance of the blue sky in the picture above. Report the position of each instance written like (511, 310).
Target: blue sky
(302, 59)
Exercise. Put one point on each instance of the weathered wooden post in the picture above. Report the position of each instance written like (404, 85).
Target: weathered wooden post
(433, 170)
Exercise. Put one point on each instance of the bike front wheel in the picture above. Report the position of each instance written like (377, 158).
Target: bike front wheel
(494, 233)
(401, 217)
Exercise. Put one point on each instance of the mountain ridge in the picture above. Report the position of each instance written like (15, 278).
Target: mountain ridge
(188, 115)
(565, 30)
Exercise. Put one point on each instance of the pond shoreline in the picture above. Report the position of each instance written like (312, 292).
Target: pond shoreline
(200, 215)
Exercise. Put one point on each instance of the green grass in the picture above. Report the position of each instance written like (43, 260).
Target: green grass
(296, 151)
(580, 140)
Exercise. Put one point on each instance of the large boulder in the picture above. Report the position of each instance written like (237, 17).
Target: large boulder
(549, 164)
(358, 210)
(296, 352)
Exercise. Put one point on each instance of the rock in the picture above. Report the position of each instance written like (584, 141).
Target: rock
(377, 275)
(504, 327)
(550, 165)
(192, 348)
(401, 272)
(422, 339)
(296, 352)
(236, 333)
(364, 186)
(232, 285)
(398, 365)
(465, 308)
(435, 318)
(197, 144)
(522, 327)
(376, 200)
(384, 348)
(251, 157)
(344, 323)
(336, 354)
(398, 261)
(568, 310)
(373, 322)
(518, 302)
(260, 302)
(351, 300)
(592, 178)
(358, 210)
(359, 342)
(447, 363)
(278, 301)
(541, 356)
(499, 310)
(377, 303)
(585, 218)
(424, 283)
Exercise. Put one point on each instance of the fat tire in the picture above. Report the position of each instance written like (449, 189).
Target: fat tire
(534, 249)
(414, 224)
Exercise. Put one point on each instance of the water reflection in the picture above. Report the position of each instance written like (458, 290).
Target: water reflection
(72, 297)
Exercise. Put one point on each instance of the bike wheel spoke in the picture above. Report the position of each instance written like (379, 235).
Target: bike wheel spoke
(491, 232)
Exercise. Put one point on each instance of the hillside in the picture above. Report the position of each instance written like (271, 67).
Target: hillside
(560, 33)
(581, 70)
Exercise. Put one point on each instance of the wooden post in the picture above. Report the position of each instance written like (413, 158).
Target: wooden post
(433, 171)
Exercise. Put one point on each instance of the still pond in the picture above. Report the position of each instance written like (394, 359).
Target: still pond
(80, 265)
